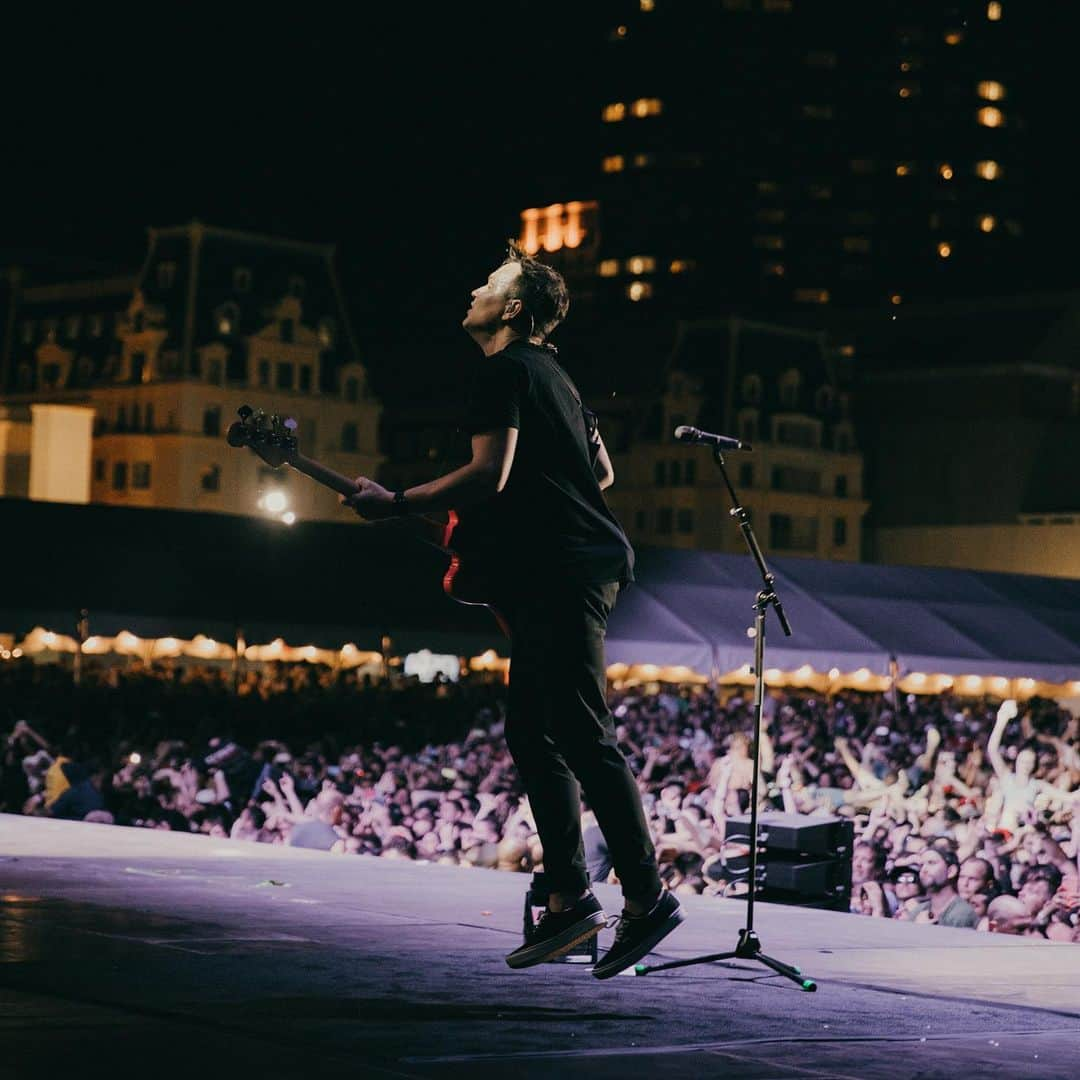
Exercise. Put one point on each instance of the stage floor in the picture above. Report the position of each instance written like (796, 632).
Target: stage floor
(145, 951)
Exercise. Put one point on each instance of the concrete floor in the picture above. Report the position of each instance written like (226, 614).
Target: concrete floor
(148, 952)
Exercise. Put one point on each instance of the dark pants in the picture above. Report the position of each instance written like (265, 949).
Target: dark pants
(560, 731)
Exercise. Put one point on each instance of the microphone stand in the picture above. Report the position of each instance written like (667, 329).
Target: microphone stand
(748, 946)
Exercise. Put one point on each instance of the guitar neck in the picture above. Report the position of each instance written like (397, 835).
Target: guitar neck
(323, 475)
(334, 480)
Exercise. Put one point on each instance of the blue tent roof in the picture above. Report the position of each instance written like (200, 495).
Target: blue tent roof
(854, 615)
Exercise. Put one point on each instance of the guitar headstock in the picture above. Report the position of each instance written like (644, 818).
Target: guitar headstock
(272, 437)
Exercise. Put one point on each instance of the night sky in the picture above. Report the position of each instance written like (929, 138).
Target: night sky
(406, 136)
(411, 135)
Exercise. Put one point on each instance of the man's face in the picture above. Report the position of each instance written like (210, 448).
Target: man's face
(490, 299)
(1025, 763)
(1034, 895)
(862, 864)
(972, 878)
(933, 870)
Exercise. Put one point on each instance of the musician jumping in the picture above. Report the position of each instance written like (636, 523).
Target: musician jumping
(537, 472)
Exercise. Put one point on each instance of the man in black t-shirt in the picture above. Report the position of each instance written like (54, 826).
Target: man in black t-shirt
(534, 487)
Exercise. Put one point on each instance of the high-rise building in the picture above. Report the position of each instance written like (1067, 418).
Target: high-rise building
(783, 156)
(120, 390)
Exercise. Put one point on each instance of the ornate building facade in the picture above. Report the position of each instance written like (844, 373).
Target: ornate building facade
(119, 391)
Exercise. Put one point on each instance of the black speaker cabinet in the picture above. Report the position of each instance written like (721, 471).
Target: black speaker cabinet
(802, 860)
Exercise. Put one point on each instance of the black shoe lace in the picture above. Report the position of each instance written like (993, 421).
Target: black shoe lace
(622, 924)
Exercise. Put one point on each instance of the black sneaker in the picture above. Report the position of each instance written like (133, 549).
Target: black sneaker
(638, 935)
(556, 933)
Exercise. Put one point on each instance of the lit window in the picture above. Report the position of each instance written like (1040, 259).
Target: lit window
(530, 231)
(817, 112)
(954, 37)
(620, 31)
(811, 296)
(639, 290)
(993, 11)
(614, 163)
(552, 238)
(990, 117)
(987, 222)
(609, 267)
(896, 299)
(987, 170)
(613, 112)
(907, 90)
(327, 328)
(782, 6)
(989, 90)
(97, 325)
(641, 264)
(769, 243)
(553, 227)
(643, 161)
(945, 171)
(646, 107)
(944, 249)
(857, 244)
(648, 5)
(774, 269)
(681, 266)
(905, 168)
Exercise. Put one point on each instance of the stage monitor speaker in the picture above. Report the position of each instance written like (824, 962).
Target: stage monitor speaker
(802, 860)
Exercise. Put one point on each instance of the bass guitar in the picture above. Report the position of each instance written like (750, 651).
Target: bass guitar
(273, 438)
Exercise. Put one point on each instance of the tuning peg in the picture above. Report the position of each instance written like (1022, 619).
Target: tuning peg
(244, 411)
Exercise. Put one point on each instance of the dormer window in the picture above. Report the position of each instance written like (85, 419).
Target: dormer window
(241, 279)
(751, 389)
(288, 330)
(789, 388)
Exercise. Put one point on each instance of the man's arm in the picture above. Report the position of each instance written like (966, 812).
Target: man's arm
(602, 466)
(484, 476)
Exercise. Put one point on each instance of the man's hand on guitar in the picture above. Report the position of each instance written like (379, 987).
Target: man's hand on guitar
(371, 501)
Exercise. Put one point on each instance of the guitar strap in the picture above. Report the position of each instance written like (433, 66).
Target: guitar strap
(592, 421)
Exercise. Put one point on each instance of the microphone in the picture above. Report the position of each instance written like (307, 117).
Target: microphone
(685, 433)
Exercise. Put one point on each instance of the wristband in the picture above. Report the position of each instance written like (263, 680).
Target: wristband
(400, 504)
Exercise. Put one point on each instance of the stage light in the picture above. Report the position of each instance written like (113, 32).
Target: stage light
(834, 673)
(276, 501)
(135, 759)
(288, 517)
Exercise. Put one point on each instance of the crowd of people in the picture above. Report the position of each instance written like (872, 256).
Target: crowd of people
(966, 812)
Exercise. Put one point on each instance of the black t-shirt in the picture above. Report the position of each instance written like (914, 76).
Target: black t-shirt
(550, 521)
